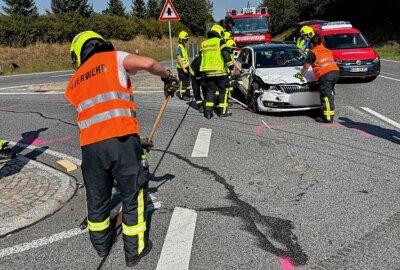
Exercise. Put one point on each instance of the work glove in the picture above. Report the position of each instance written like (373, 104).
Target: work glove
(171, 84)
(146, 144)
(299, 76)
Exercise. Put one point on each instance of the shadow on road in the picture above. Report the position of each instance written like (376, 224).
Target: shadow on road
(390, 135)
(14, 166)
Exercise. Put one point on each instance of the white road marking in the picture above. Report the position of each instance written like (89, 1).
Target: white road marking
(202, 145)
(49, 152)
(175, 254)
(31, 93)
(35, 73)
(16, 86)
(387, 60)
(62, 93)
(64, 75)
(40, 242)
(387, 73)
(382, 117)
(390, 78)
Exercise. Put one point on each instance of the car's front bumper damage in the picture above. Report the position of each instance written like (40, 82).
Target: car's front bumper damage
(278, 101)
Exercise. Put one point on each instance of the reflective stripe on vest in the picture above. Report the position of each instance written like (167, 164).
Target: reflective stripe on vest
(184, 57)
(300, 43)
(102, 98)
(212, 61)
(105, 116)
(324, 62)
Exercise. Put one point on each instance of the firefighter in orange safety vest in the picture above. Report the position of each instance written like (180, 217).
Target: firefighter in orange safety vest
(326, 72)
(101, 92)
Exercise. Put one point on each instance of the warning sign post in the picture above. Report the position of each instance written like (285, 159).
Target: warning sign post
(169, 14)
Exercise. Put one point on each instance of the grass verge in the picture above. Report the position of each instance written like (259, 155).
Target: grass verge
(389, 51)
(42, 57)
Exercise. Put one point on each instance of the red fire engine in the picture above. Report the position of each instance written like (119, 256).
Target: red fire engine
(250, 26)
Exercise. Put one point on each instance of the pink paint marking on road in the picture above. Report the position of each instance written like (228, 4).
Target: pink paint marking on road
(363, 133)
(331, 125)
(286, 263)
(259, 129)
(37, 142)
(8, 107)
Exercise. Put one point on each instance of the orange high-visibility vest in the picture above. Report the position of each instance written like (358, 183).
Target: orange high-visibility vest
(324, 62)
(106, 109)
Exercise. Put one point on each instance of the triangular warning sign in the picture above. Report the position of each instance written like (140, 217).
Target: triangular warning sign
(169, 13)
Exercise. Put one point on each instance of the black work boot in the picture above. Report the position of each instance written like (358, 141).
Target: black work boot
(208, 114)
(227, 114)
(130, 262)
(320, 119)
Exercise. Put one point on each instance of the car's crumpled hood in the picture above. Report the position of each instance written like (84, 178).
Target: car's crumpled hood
(283, 75)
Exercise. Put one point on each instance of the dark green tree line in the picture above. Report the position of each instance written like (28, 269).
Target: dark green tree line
(194, 14)
(154, 8)
(139, 9)
(20, 8)
(64, 6)
(115, 7)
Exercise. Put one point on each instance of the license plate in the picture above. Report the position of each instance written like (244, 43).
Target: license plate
(359, 69)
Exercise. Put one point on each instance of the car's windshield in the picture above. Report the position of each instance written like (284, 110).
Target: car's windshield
(279, 57)
(250, 25)
(345, 41)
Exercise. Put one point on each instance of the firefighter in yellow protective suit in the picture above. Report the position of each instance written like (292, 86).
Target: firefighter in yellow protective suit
(303, 42)
(215, 58)
(183, 66)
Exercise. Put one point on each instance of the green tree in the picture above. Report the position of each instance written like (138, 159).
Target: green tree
(283, 14)
(64, 6)
(154, 8)
(195, 14)
(26, 8)
(138, 9)
(115, 7)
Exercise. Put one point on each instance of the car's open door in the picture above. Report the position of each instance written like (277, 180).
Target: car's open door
(245, 60)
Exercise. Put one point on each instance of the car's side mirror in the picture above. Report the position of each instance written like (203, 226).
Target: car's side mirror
(246, 65)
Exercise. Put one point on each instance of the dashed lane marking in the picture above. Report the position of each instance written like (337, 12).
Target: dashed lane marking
(40, 242)
(202, 145)
(59, 236)
(389, 78)
(175, 254)
(382, 117)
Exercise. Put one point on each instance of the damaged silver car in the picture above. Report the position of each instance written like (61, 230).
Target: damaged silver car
(267, 80)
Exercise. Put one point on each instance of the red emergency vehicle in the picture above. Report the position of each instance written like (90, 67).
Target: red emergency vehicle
(248, 27)
(351, 50)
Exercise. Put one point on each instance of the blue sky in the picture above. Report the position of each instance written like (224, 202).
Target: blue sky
(220, 6)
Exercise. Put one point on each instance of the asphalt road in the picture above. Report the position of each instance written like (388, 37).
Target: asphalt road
(272, 186)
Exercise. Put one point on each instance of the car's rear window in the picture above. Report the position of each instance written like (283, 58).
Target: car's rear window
(279, 57)
(345, 41)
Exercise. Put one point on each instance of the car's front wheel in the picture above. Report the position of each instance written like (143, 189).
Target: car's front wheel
(252, 96)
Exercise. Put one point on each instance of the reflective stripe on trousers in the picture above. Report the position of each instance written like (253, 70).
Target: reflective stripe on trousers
(104, 97)
(105, 116)
(139, 229)
(99, 226)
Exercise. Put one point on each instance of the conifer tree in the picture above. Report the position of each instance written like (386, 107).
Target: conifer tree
(115, 7)
(64, 6)
(25, 8)
(139, 9)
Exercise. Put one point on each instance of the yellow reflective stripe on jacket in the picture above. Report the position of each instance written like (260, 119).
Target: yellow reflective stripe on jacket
(184, 57)
(134, 230)
(98, 226)
(209, 104)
